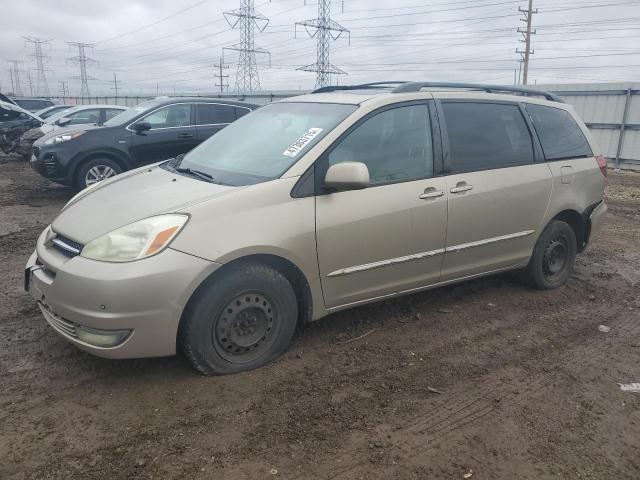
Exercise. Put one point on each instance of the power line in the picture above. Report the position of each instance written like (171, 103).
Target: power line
(324, 29)
(82, 61)
(247, 19)
(221, 67)
(42, 87)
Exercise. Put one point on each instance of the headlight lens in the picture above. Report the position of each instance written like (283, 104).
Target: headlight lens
(137, 240)
(65, 137)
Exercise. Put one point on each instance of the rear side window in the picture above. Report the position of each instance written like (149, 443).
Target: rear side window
(484, 136)
(559, 133)
(213, 113)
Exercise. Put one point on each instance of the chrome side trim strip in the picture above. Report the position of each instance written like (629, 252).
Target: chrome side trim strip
(487, 241)
(431, 253)
(65, 246)
(384, 263)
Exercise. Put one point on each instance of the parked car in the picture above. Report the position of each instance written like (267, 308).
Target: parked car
(48, 111)
(316, 204)
(33, 104)
(69, 117)
(14, 122)
(152, 131)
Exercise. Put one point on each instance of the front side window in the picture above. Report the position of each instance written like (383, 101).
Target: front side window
(213, 113)
(84, 116)
(171, 116)
(485, 136)
(263, 145)
(395, 145)
(559, 133)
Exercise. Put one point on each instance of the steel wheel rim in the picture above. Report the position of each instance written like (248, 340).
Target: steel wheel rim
(98, 173)
(555, 256)
(245, 328)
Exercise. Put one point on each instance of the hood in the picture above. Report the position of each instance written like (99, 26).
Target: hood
(130, 197)
(48, 131)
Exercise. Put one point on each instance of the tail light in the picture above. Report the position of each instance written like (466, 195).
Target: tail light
(602, 163)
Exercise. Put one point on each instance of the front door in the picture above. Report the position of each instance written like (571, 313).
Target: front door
(498, 192)
(172, 133)
(390, 237)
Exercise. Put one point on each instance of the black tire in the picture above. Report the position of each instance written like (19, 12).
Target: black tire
(553, 257)
(239, 321)
(92, 169)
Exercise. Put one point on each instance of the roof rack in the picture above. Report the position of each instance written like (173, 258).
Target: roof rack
(363, 86)
(417, 86)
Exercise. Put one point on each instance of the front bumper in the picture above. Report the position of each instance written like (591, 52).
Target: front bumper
(51, 164)
(146, 297)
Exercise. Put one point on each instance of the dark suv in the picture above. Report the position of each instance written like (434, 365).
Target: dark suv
(150, 132)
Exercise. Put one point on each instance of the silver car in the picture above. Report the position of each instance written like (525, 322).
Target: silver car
(316, 204)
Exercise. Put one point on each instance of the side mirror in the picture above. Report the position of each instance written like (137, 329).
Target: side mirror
(347, 176)
(61, 122)
(141, 127)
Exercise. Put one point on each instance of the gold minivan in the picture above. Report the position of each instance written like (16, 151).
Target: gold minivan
(315, 204)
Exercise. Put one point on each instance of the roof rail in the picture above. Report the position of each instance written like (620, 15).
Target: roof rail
(364, 86)
(417, 86)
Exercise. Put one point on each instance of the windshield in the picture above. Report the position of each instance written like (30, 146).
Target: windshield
(262, 145)
(131, 113)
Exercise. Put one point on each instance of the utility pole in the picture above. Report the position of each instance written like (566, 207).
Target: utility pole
(42, 87)
(82, 60)
(324, 29)
(14, 72)
(115, 84)
(64, 89)
(221, 67)
(30, 83)
(526, 33)
(247, 19)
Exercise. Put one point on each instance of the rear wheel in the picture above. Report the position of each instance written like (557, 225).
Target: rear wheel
(96, 170)
(239, 321)
(553, 257)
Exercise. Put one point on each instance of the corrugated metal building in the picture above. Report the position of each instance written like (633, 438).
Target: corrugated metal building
(612, 113)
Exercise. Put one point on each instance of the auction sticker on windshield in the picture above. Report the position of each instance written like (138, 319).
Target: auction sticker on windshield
(301, 142)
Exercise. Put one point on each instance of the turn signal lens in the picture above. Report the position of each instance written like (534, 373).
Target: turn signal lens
(602, 163)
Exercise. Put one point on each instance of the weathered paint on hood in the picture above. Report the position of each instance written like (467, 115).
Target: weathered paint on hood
(130, 197)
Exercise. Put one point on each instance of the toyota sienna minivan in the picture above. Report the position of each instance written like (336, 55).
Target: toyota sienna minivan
(315, 204)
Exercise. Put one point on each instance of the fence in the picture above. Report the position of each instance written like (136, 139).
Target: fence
(611, 111)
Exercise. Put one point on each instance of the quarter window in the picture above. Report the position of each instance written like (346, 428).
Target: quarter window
(213, 113)
(484, 136)
(171, 116)
(559, 133)
(395, 145)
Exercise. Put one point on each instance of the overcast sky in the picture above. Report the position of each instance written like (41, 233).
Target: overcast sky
(165, 45)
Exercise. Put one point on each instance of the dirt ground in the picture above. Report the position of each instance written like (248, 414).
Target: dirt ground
(528, 385)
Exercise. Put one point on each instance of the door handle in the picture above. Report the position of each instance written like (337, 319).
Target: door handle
(431, 193)
(185, 135)
(461, 187)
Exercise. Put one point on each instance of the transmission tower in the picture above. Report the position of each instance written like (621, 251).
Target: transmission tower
(527, 13)
(82, 61)
(323, 29)
(247, 19)
(14, 73)
(221, 67)
(42, 88)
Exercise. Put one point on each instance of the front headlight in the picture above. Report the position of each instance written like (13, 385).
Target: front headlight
(135, 241)
(65, 137)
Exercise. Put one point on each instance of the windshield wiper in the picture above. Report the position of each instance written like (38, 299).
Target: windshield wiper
(195, 173)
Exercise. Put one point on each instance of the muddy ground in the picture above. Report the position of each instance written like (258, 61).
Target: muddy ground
(529, 385)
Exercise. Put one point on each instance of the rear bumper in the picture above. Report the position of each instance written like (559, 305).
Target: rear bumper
(596, 220)
(145, 297)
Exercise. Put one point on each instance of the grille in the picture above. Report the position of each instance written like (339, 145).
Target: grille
(61, 325)
(66, 246)
(50, 165)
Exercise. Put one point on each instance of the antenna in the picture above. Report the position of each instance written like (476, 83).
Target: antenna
(323, 29)
(247, 19)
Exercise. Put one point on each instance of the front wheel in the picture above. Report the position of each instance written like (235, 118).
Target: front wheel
(553, 257)
(96, 170)
(241, 320)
